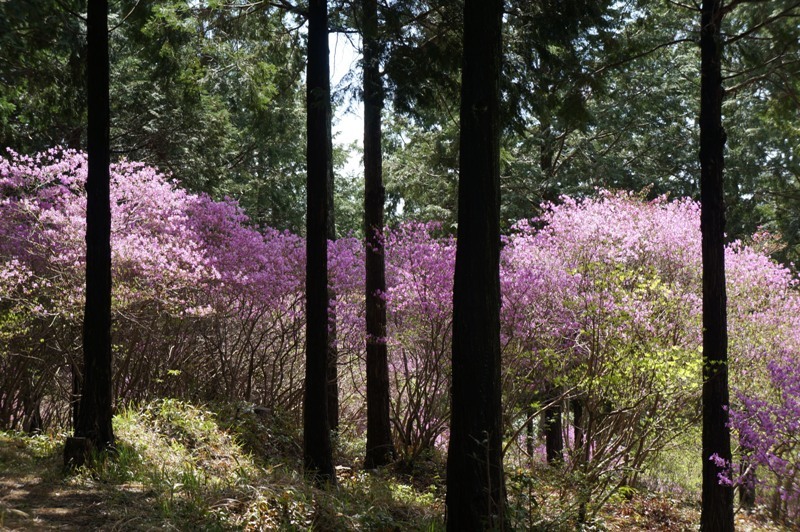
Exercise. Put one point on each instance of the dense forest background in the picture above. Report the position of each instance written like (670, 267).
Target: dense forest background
(239, 230)
(596, 94)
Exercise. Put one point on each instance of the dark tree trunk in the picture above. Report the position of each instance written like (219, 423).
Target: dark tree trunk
(475, 483)
(577, 425)
(95, 408)
(747, 488)
(333, 350)
(546, 153)
(717, 506)
(316, 427)
(380, 450)
(553, 433)
(332, 368)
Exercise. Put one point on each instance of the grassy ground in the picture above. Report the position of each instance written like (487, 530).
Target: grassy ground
(182, 467)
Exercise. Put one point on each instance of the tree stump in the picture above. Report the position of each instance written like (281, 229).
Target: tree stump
(77, 451)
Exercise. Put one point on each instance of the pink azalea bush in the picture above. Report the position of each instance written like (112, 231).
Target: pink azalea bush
(765, 339)
(419, 302)
(204, 305)
(419, 286)
(601, 313)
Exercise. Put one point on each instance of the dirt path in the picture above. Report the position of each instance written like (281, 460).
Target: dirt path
(37, 503)
(35, 495)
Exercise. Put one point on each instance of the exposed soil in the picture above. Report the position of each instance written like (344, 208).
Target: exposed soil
(37, 503)
(35, 495)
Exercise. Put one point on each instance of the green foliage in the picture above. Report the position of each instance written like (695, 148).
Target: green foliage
(677, 468)
(223, 102)
(17, 451)
(42, 70)
(210, 92)
(421, 177)
(542, 498)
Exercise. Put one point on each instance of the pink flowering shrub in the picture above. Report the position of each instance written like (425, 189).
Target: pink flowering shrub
(604, 304)
(419, 279)
(204, 306)
(765, 340)
(419, 286)
(601, 313)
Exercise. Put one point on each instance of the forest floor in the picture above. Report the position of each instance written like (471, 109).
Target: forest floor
(176, 469)
(35, 494)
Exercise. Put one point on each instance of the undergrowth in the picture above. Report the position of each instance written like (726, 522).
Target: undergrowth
(239, 467)
(232, 467)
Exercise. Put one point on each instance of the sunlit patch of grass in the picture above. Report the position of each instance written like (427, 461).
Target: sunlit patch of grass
(175, 456)
(229, 467)
(17, 450)
(279, 498)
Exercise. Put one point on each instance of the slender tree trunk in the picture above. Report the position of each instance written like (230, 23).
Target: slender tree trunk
(475, 482)
(717, 506)
(553, 432)
(75, 395)
(93, 427)
(316, 428)
(747, 489)
(530, 434)
(380, 450)
(577, 425)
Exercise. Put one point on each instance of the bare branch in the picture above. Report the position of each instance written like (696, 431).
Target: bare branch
(766, 22)
(641, 54)
(121, 22)
(66, 8)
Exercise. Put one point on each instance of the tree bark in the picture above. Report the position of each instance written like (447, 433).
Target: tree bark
(475, 482)
(717, 506)
(95, 407)
(747, 488)
(530, 433)
(553, 432)
(333, 349)
(577, 424)
(380, 449)
(317, 450)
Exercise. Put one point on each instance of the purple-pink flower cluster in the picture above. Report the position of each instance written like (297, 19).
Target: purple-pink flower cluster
(601, 306)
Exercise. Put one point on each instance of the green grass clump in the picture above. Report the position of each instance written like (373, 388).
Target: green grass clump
(18, 450)
(172, 457)
(230, 467)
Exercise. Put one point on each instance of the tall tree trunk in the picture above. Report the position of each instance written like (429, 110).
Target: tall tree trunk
(95, 407)
(717, 506)
(475, 482)
(316, 428)
(332, 377)
(553, 433)
(380, 450)
(530, 433)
